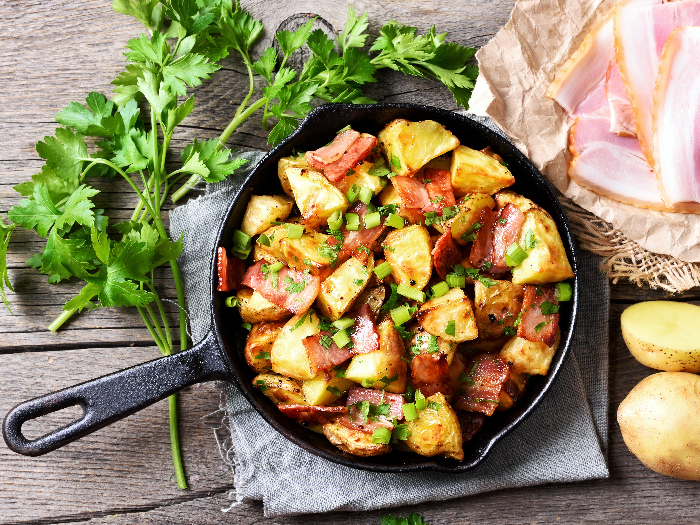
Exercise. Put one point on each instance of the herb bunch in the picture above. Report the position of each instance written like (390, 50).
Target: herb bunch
(129, 137)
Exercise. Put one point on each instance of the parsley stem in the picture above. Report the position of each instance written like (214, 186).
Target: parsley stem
(146, 321)
(58, 322)
(163, 316)
(158, 329)
(175, 443)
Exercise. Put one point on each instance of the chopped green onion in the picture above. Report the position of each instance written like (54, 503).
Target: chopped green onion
(401, 314)
(439, 289)
(352, 193)
(411, 293)
(368, 383)
(343, 323)
(341, 338)
(515, 255)
(294, 231)
(409, 411)
(335, 221)
(276, 267)
(381, 435)
(395, 221)
(242, 244)
(264, 240)
(382, 270)
(455, 281)
(562, 292)
(372, 220)
(247, 326)
(352, 221)
(232, 301)
(365, 194)
(420, 400)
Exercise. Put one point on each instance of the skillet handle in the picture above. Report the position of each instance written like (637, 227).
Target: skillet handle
(112, 397)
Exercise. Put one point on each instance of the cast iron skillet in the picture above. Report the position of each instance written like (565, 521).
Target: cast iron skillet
(112, 397)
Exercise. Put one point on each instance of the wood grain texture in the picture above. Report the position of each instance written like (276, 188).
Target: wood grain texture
(57, 52)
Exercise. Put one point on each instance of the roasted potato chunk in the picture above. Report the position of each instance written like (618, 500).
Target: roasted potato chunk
(355, 442)
(255, 308)
(361, 177)
(496, 308)
(475, 172)
(288, 354)
(510, 197)
(423, 342)
(546, 260)
(408, 251)
(289, 162)
(386, 362)
(315, 196)
(373, 297)
(449, 317)
(319, 390)
(281, 390)
(263, 210)
(302, 254)
(340, 289)
(436, 431)
(408, 146)
(390, 195)
(529, 357)
(258, 344)
(470, 207)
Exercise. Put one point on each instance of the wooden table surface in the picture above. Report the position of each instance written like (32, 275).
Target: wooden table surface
(55, 52)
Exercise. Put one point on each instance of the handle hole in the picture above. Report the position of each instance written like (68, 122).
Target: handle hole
(42, 425)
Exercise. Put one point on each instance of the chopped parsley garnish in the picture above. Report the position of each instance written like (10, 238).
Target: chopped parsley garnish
(379, 171)
(261, 385)
(434, 405)
(262, 355)
(387, 209)
(358, 282)
(396, 162)
(334, 390)
(408, 395)
(368, 383)
(300, 321)
(308, 262)
(502, 221)
(349, 172)
(264, 240)
(530, 240)
(437, 200)
(394, 300)
(482, 400)
(476, 275)
(325, 341)
(405, 334)
(466, 378)
(246, 326)
(433, 346)
(401, 432)
(294, 287)
(388, 380)
(470, 234)
(540, 326)
(450, 328)
(432, 217)
(548, 308)
(339, 372)
(509, 331)
(427, 181)
(415, 349)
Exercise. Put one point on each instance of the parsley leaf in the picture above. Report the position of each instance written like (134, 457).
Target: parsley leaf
(548, 308)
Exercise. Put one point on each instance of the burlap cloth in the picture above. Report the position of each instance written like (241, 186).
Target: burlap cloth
(564, 439)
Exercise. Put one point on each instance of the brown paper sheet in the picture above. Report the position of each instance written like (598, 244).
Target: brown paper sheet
(516, 67)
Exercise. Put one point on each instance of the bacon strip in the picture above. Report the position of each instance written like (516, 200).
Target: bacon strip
(355, 418)
(294, 302)
(470, 423)
(365, 337)
(333, 151)
(482, 247)
(533, 317)
(413, 193)
(359, 243)
(351, 156)
(506, 231)
(446, 254)
(486, 375)
(621, 115)
(229, 271)
(430, 374)
(323, 358)
(439, 189)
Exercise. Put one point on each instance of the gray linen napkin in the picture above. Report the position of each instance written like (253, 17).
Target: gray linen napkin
(564, 439)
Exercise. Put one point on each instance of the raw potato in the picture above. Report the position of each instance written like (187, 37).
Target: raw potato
(316, 198)
(660, 423)
(259, 341)
(408, 252)
(436, 432)
(288, 354)
(476, 172)
(355, 442)
(281, 390)
(436, 314)
(255, 308)
(263, 210)
(664, 335)
(546, 261)
(413, 144)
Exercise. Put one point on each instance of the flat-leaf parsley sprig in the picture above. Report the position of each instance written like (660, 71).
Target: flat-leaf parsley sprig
(130, 136)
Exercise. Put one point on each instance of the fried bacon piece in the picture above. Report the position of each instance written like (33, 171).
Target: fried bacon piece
(482, 247)
(365, 337)
(506, 231)
(296, 296)
(482, 384)
(430, 374)
(359, 243)
(535, 325)
(446, 254)
(229, 271)
(347, 150)
(439, 186)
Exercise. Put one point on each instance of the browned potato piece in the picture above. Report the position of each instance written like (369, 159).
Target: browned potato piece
(315, 196)
(390, 195)
(361, 177)
(408, 146)
(510, 197)
(353, 441)
(316, 390)
(458, 365)
(408, 251)
(436, 431)
(470, 207)
(255, 308)
(475, 172)
(497, 307)
(259, 342)
(373, 297)
(454, 309)
(423, 342)
(512, 391)
(385, 362)
(288, 354)
(529, 357)
(340, 289)
(289, 162)
(263, 210)
(281, 390)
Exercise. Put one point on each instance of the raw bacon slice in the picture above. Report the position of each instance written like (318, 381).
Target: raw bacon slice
(611, 165)
(323, 353)
(364, 337)
(482, 247)
(294, 296)
(506, 230)
(359, 243)
(346, 151)
(621, 116)
(446, 254)
(229, 271)
(676, 119)
(535, 325)
(483, 384)
(439, 186)
(640, 34)
(579, 86)
(430, 374)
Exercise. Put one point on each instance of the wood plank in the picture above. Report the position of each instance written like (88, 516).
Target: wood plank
(124, 466)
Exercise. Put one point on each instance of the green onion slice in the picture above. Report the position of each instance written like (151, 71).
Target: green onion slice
(373, 220)
(341, 338)
(381, 435)
(352, 221)
(420, 400)
(515, 255)
(409, 411)
(563, 292)
(276, 267)
(352, 193)
(455, 281)
(411, 293)
(440, 289)
(395, 221)
(232, 301)
(365, 194)
(382, 270)
(343, 323)
(401, 314)
(294, 231)
(335, 221)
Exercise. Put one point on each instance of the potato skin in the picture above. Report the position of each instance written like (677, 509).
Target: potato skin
(355, 442)
(260, 339)
(436, 432)
(660, 423)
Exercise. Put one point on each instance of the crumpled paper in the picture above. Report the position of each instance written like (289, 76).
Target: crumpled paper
(516, 67)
